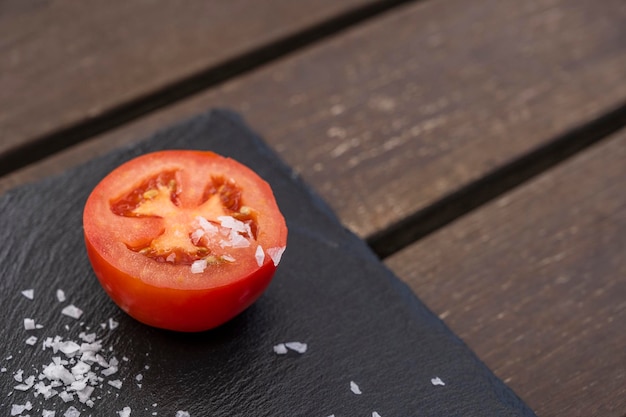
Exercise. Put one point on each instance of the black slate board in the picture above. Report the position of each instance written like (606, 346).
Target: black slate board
(360, 322)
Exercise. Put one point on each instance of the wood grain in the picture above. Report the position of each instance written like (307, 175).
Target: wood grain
(393, 115)
(535, 283)
(65, 62)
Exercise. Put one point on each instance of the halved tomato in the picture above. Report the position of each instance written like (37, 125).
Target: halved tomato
(183, 240)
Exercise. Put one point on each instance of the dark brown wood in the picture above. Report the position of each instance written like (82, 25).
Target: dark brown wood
(64, 62)
(535, 283)
(393, 115)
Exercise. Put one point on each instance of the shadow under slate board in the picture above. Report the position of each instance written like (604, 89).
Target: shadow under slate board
(373, 347)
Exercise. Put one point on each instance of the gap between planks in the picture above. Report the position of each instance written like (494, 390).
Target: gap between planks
(451, 207)
(56, 141)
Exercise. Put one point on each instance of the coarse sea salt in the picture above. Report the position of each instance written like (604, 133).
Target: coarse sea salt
(355, 388)
(280, 349)
(31, 340)
(60, 296)
(30, 293)
(198, 267)
(181, 413)
(19, 375)
(113, 324)
(375, 414)
(115, 383)
(17, 409)
(437, 381)
(297, 346)
(125, 412)
(71, 376)
(276, 254)
(72, 311)
(71, 412)
(236, 231)
(259, 255)
(29, 324)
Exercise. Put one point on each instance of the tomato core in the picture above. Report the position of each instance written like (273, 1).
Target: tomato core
(189, 234)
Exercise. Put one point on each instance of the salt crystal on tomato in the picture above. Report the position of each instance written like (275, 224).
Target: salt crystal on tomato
(259, 255)
(206, 225)
(30, 294)
(195, 239)
(60, 296)
(232, 223)
(31, 340)
(355, 388)
(276, 254)
(198, 267)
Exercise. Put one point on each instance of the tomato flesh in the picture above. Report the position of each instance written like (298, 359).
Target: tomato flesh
(183, 240)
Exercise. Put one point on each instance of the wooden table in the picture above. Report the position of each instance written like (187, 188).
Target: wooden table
(479, 146)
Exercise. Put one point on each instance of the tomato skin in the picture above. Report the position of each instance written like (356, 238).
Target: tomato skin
(175, 309)
(170, 296)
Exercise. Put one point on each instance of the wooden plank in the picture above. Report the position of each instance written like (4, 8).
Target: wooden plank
(393, 115)
(535, 283)
(65, 62)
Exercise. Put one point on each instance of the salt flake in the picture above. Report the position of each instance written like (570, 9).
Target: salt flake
(29, 324)
(17, 409)
(71, 412)
(116, 383)
(280, 349)
(31, 340)
(297, 346)
(355, 388)
(30, 294)
(61, 296)
(180, 413)
(125, 412)
(72, 311)
(19, 375)
(113, 324)
(198, 267)
(437, 381)
(276, 254)
(259, 255)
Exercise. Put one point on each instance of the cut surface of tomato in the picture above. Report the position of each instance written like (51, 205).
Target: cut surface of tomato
(183, 240)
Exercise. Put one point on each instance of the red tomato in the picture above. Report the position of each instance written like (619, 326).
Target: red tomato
(183, 240)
